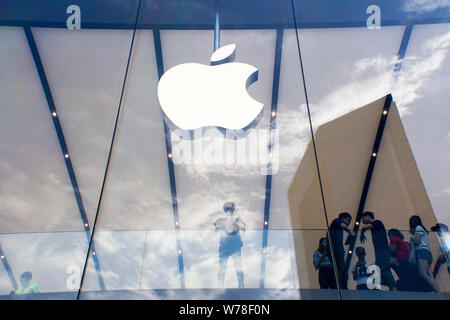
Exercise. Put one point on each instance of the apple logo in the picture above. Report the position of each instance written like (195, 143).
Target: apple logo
(195, 96)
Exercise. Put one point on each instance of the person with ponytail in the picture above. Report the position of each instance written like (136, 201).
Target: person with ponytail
(422, 251)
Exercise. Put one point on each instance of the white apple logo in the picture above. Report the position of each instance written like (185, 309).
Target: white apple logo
(194, 95)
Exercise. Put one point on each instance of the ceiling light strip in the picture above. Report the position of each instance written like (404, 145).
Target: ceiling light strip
(273, 118)
(383, 118)
(62, 141)
(170, 165)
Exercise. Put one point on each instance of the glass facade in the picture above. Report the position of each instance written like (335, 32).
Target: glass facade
(105, 196)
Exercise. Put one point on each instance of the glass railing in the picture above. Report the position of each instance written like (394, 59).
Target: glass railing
(199, 264)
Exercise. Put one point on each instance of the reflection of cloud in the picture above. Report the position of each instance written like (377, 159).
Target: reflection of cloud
(127, 268)
(214, 154)
(202, 264)
(131, 260)
(445, 192)
(201, 206)
(194, 294)
(425, 5)
(374, 73)
(34, 183)
(160, 267)
(280, 259)
(46, 255)
(372, 78)
(294, 136)
(377, 64)
(416, 71)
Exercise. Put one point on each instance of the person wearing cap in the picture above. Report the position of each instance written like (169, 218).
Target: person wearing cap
(230, 243)
(444, 247)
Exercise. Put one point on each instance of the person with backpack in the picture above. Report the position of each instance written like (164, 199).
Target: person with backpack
(399, 249)
(408, 277)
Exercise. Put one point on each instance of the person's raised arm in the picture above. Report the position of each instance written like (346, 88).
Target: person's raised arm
(216, 225)
(347, 229)
(362, 237)
(366, 227)
(241, 224)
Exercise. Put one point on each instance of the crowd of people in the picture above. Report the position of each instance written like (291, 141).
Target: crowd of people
(412, 262)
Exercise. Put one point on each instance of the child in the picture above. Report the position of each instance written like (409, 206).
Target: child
(359, 270)
(26, 286)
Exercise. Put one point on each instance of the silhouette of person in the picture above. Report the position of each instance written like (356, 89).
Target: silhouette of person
(408, 275)
(359, 270)
(424, 258)
(322, 262)
(337, 228)
(381, 246)
(230, 243)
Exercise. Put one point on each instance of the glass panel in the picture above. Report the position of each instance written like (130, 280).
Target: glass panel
(35, 189)
(29, 145)
(60, 88)
(85, 71)
(440, 250)
(281, 272)
(172, 184)
(205, 269)
(164, 229)
(423, 100)
(340, 79)
(53, 259)
(207, 182)
(316, 276)
(129, 252)
(410, 284)
(120, 254)
(160, 268)
(423, 92)
(137, 190)
(367, 147)
(141, 265)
